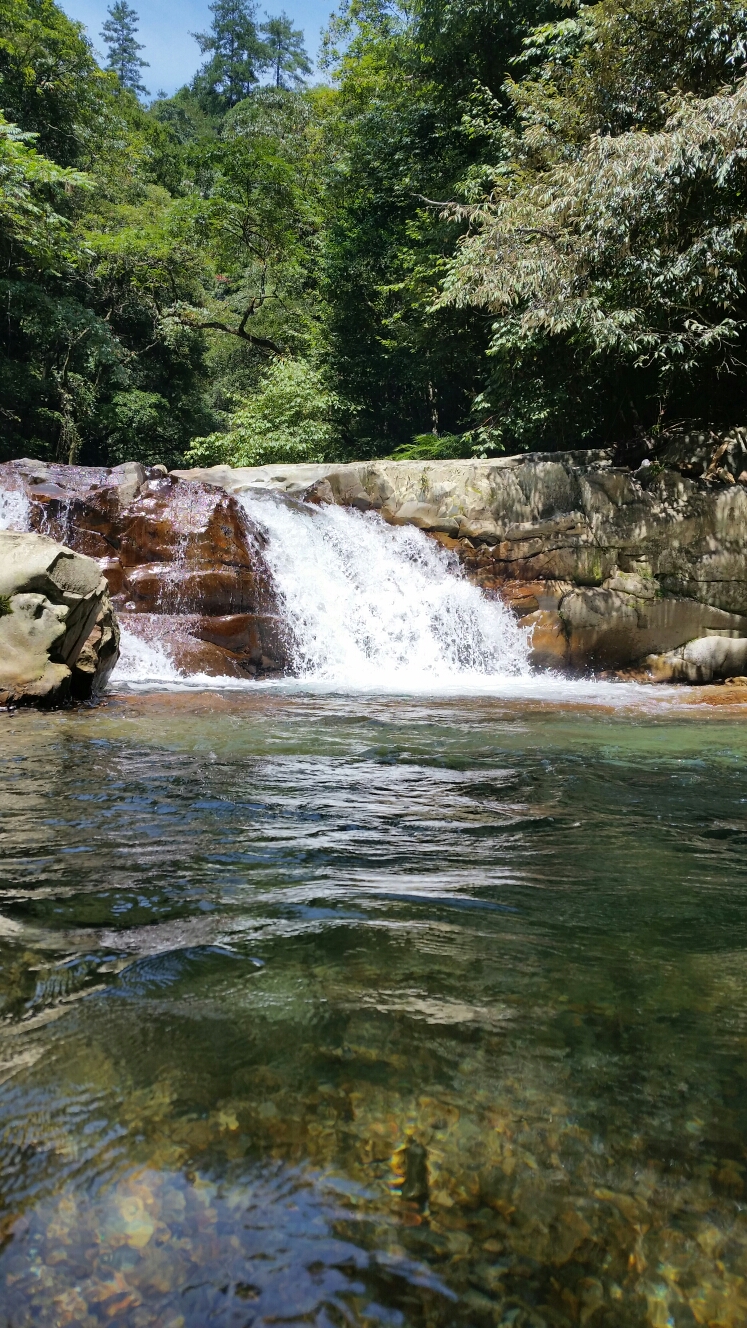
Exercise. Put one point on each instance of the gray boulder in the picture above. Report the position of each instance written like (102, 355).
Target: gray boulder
(702, 661)
(58, 635)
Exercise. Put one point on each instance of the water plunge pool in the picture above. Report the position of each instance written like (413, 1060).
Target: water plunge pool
(336, 1009)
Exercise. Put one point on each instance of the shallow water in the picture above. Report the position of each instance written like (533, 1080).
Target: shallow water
(336, 1009)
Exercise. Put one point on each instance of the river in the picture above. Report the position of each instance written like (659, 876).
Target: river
(339, 1008)
(409, 991)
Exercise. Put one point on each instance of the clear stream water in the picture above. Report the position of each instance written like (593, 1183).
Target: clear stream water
(331, 1003)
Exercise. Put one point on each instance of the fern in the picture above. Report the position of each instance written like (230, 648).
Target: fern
(432, 447)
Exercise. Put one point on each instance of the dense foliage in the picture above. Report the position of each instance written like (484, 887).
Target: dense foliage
(288, 418)
(497, 226)
(611, 246)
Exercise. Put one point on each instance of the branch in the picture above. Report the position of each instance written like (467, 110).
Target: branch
(213, 324)
(552, 236)
(433, 202)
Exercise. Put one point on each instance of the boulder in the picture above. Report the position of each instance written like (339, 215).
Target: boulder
(247, 645)
(614, 627)
(701, 661)
(163, 546)
(58, 635)
(130, 478)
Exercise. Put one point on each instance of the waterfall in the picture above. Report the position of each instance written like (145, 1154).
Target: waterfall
(373, 605)
(14, 510)
(144, 661)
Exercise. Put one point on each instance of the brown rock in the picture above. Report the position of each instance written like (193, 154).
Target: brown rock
(232, 646)
(253, 635)
(549, 643)
(173, 587)
(161, 544)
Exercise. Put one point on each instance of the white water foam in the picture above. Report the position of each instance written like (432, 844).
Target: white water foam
(14, 510)
(142, 662)
(369, 605)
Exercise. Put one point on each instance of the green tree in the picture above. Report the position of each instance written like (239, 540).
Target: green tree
(90, 365)
(50, 83)
(287, 57)
(288, 419)
(610, 251)
(403, 76)
(33, 235)
(47, 336)
(238, 54)
(257, 220)
(119, 34)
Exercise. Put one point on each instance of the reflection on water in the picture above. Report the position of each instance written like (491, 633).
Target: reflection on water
(372, 1011)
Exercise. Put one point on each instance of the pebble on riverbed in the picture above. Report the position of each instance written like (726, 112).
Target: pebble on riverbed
(514, 1203)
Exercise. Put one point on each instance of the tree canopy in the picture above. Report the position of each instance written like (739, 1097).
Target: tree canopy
(286, 52)
(236, 53)
(610, 244)
(486, 227)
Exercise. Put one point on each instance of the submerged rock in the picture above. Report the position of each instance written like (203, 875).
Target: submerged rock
(414, 1186)
(58, 636)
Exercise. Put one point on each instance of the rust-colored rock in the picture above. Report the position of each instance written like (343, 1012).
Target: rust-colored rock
(184, 553)
(246, 645)
(548, 643)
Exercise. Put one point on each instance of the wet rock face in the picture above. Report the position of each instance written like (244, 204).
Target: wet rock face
(608, 565)
(238, 645)
(58, 636)
(172, 553)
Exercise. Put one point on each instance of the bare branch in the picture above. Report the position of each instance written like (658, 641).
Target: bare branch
(434, 202)
(214, 325)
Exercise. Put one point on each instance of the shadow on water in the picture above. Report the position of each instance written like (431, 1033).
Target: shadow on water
(317, 1010)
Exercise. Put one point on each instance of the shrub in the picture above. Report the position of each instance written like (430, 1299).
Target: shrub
(289, 419)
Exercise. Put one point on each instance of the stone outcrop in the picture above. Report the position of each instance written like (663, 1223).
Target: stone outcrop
(611, 567)
(183, 562)
(236, 645)
(607, 565)
(58, 635)
(705, 660)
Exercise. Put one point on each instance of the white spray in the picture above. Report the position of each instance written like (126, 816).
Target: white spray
(15, 510)
(143, 661)
(377, 606)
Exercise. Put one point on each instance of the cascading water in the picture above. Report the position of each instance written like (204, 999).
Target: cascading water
(14, 510)
(144, 661)
(373, 605)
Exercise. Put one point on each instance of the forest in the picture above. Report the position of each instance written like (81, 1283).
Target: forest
(487, 226)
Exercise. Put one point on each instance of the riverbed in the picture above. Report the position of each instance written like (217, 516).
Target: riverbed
(359, 1009)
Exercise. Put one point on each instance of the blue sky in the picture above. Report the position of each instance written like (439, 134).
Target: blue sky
(165, 26)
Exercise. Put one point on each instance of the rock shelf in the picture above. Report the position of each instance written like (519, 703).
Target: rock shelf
(610, 567)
